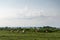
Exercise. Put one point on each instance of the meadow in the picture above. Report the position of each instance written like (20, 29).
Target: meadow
(5, 34)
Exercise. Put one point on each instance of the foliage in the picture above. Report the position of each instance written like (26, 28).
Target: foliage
(32, 29)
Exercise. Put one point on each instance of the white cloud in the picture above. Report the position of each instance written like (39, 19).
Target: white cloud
(20, 16)
(21, 13)
(27, 13)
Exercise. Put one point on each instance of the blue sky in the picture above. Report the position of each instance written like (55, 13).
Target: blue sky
(29, 13)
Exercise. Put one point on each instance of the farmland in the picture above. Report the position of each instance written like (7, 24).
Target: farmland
(7, 35)
(29, 36)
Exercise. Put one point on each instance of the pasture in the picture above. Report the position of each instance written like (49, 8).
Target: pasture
(6, 35)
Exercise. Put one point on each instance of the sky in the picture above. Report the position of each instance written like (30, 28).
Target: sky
(15, 13)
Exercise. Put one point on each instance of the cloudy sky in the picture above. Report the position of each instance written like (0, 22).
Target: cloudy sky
(29, 12)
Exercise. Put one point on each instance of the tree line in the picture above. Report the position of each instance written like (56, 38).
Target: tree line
(30, 29)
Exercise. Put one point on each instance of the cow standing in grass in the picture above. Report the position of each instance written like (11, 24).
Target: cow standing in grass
(46, 31)
(23, 31)
(11, 31)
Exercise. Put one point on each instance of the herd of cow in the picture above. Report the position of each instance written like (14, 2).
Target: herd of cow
(16, 31)
(24, 31)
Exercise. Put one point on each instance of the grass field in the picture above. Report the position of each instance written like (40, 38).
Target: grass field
(5, 35)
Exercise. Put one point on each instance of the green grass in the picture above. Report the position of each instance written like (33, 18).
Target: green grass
(5, 35)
